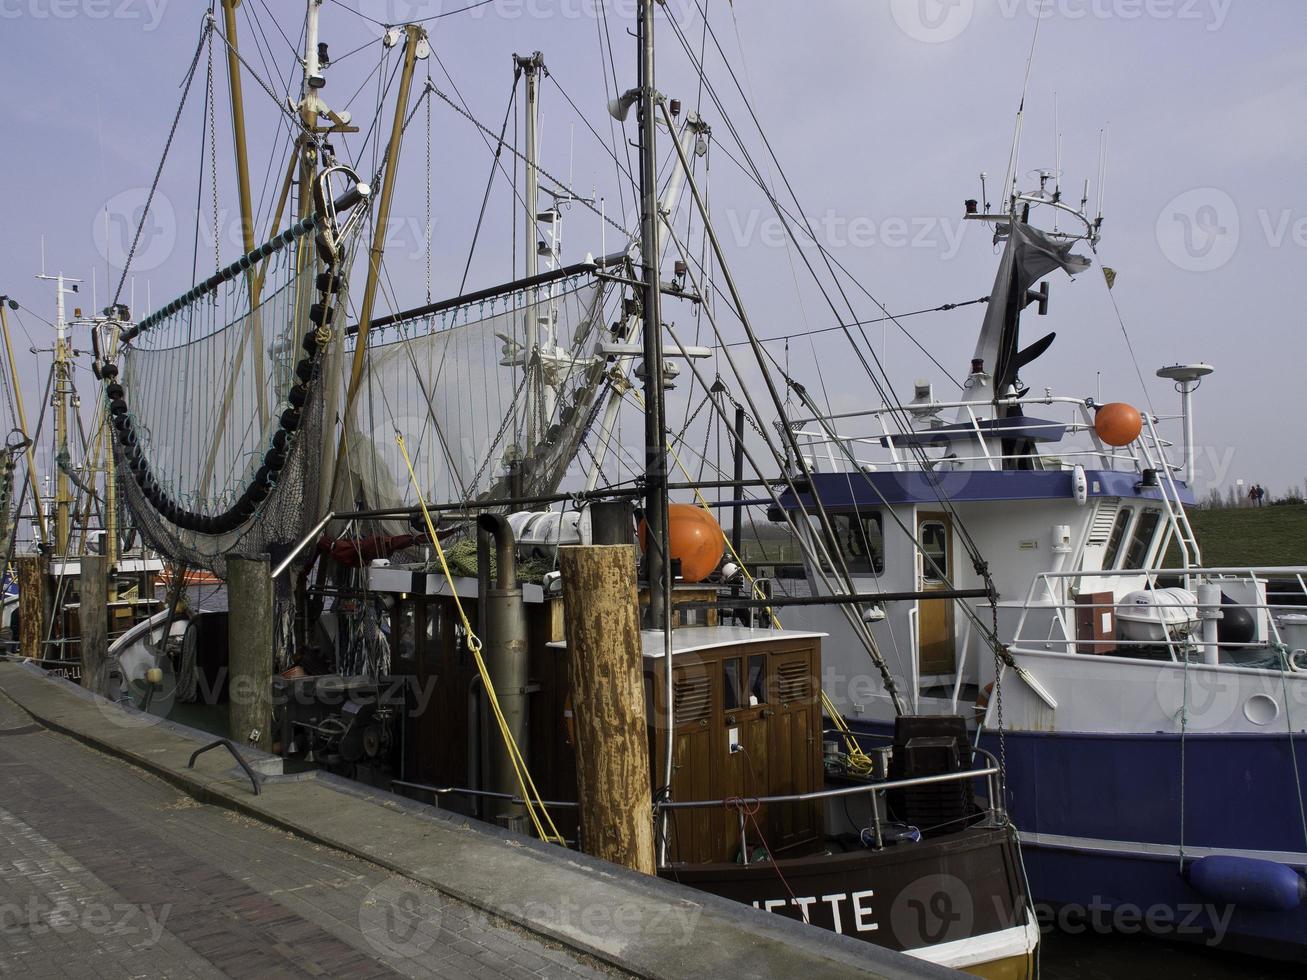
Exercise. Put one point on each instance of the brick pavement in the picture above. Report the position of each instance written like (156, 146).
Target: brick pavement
(108, 872)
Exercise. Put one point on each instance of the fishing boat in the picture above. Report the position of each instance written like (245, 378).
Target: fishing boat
(356, 469)
(71, 511)
(1153, 720)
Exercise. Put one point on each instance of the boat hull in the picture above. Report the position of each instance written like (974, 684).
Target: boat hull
(959, 900)
(1100, 816)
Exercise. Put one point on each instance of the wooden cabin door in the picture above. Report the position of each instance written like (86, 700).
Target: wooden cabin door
(936, 643)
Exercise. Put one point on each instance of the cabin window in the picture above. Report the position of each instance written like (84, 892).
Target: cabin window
(757, 690)
(1115, 538)
(934, 551)
(404, 632)
(731, 687)
(1142, 540)
(861, 541)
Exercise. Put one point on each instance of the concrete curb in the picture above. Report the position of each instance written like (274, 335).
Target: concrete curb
(646, 926)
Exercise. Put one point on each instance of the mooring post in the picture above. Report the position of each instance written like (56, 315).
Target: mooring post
(33, 614)
(605, 670)
(506, 661)
(93, 615)
(249, 651)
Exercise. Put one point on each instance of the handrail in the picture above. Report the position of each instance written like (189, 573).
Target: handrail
(235, 753)
(303, 543)
(946, 777)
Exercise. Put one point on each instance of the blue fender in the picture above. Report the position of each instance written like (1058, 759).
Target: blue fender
(1248, 883)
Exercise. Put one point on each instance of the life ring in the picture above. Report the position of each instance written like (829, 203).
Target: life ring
(982, 700)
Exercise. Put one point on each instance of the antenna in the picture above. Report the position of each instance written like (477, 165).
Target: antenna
(1057, 153)
(1102, 168)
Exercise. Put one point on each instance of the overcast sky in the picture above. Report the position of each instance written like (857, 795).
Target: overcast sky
(882, 115)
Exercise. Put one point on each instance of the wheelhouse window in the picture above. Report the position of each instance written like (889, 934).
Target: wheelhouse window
(731, 684)
(1116, 538)
(861, 540)
(934, 551)
(757, 682)
(1142, 540)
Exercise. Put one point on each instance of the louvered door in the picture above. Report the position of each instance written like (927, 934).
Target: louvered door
(795, 735)
(696, 834)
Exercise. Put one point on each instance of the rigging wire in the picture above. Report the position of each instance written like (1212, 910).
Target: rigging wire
(494, 164)
(880, 319)
(560, 189)
(172, 132)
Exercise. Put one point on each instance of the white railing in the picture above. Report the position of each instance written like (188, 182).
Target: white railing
(820, 442)
(1055, 585)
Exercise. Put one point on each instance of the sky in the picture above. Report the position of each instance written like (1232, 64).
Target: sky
(882, 115)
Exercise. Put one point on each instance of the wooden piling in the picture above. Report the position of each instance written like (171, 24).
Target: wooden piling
(605, 668)
(93, 616)
(33, 614)
(249, 650)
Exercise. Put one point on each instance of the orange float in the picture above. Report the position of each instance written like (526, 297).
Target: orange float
(1118, 424)
(693, 536)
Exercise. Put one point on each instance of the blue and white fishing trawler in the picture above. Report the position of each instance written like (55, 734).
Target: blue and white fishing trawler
(1153, 716)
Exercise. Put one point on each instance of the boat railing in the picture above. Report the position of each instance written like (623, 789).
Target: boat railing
(991, 773)
(822, 440)
(1052, 590)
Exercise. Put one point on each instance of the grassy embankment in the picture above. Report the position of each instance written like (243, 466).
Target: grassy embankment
(1245, 536)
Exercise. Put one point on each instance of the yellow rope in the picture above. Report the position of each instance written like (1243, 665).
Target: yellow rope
(535, 804)
(859, 761)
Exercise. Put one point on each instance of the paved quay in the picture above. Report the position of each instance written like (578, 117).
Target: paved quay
(118, 861)
(110, 872)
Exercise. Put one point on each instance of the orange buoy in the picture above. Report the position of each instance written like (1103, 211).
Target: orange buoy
(1118, 424)
(693, 536)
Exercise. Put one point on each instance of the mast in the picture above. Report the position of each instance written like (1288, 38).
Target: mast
(657, 559)
(238, 133)
(5, 305)
(415, 39)
(243, 188)
(531, 67)
(655, 450)
(62, 389)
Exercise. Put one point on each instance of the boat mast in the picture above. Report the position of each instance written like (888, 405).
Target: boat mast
(531, 67)
(655, 450)
(63, 388)
(657, 559)
(415, 47)
(7, 304)
(238, 133)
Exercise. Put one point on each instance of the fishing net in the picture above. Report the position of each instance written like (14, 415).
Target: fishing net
(479, 415)
(220, 448)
